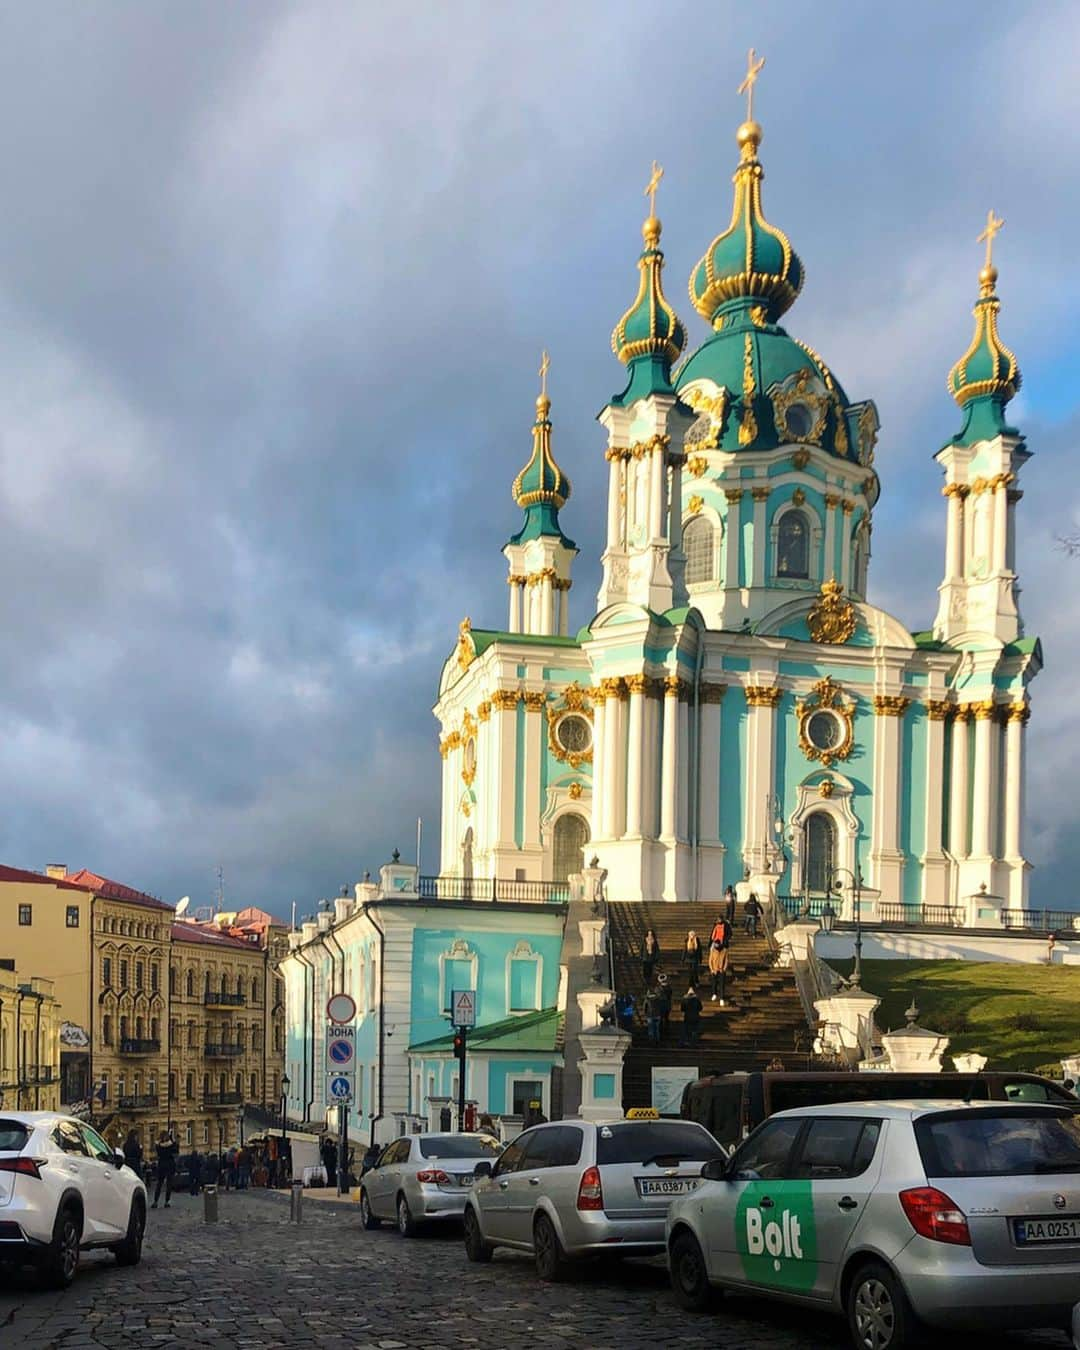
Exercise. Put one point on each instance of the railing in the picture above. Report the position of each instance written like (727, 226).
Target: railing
(892, 915)
(223, 1000)
(222, 1099)
(795, 907)
(493, 888)
(133, 1045)
(942, 916)
(215, 1051)
(145, 1101)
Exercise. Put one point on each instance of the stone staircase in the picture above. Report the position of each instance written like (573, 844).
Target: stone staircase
(762, 1018)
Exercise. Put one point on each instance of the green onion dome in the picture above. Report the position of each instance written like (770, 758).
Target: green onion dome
(987, 376)
(541, 488)
(752, 257)
(650, 331)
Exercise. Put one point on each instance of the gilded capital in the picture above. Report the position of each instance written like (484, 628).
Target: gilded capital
(983, 711)
(890, 705)
(613, 686)
(733, 495)
(674, 687)
(637, 684)
(1019, 712)
(763, 695)
(534, 700)
(939, 709)
(962, 713)
(502, 700)
(832, 499)
(712, 693)
(760, 494)
(847, 507)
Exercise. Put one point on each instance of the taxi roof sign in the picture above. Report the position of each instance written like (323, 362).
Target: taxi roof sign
(643, 1113)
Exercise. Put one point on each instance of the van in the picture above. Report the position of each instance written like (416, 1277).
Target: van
(730, 1105)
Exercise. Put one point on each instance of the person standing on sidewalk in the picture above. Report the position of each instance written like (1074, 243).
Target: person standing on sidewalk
(165, 1150)
(133, 1155)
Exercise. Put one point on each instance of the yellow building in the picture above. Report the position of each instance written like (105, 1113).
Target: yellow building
(29, 1042)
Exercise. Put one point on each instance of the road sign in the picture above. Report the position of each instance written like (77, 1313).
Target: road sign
(339, 1053)
(341, 1008)
(341, 1087)
(463, 1004)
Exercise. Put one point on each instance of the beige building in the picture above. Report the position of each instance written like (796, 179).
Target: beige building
(29, 1042)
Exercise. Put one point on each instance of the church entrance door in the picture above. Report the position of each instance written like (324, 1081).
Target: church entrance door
(571, 836)
(820, 852)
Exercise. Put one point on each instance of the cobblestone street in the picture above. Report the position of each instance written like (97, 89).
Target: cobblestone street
(253, 1280)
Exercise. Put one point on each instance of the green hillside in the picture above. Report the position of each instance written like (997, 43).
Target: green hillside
(1019, 1016)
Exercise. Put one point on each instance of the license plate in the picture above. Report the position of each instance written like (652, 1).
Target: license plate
(1029, 1231)
(666, 1185)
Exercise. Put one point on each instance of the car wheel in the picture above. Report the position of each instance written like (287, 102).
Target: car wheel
(476, 1249)
(547, 1249)
(368, 1219)
(129, 1252)
(689, 1277)
(406, 1224)
(62, 1260)
(879, 1314)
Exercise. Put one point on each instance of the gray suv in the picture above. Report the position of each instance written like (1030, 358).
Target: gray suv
(576, 1188)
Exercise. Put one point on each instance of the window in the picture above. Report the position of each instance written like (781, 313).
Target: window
(155, 977)
(239, 986)
(510, 1159)
(793, 546)
(191, 1035)
(523, 982)
(820, 851)
(189, 1133)
(68, 1138)
(989, 1142)
(837, 1148)
(568, 846)
(103, 1089)
(206, 1085)
(634, 1141)
(106, 971)
(174, 988)
(254, 1087)
(189, 1086)
(555, 1146)
(574, 734)
(123, 1028)
(254, 991)
(764, 1156)
(123, 974)
(155, 1029)
(457, 974)
(699, 550)
(191, 984)
(106, 1030)
(71, 916)
(138, 974)
(526, 1090)
(26, 915)
(206, 1131)
(458, 1146)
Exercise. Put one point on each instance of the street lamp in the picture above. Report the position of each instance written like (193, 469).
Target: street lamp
(284, 1101)
(828, 917)
(856, 888)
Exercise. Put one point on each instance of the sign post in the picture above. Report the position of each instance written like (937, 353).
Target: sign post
(463, 1016)
(340, 1067)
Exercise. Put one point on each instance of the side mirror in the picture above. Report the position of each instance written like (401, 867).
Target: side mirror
(482, 1169)
(118, 1158)
(715, 1170)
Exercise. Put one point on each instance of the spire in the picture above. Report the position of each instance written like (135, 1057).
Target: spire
(649, 336)
(751, 259)
(541, 488)
(986, 377)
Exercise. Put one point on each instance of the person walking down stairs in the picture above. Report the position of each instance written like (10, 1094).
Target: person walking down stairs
(752, 914)
(650, 955)
(692, 957)
(654, 1013)
(691, 1011)
(719, 962)
(729, 905)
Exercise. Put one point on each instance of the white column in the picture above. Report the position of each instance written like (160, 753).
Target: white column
(669, 779)
(614, 533)
(760, 772)
(598, 766)
(845, 544)
(620, 759)
(954, 537)
(532, 769)
(760, 495)
(683, 818)
(1001, 525)
(983, 796)
(504, 754)
(612, 783)
(832, 501)
(675, 511)
(650, 761)
(935, 760)
(1012, 497)
(635, 749)
(657, 492)
(732, 537)
(445, 864)
(958, 791)
(547, 605)
(709, 762)
(564, 609)
(885, 855)
(1014, 779)
(514, 621)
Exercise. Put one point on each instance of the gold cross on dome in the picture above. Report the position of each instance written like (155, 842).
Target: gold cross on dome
(994, 225)
(545, 366)
(652, 185)
(753, 70)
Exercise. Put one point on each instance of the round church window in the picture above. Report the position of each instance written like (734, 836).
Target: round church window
(799, 420)
(574, 734)
(823, 730)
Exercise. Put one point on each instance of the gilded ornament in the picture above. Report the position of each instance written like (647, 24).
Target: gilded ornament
(483, 711)
(614, 686)
(674, 687)
(939, 709)
(826, 703)
(574, 701)
(466, 648)
(574, 791)
(840, 436)
(697, 465)
(983, 711)
(960, 490)
(847, 506)
(516, 579)
(502, 700)
(798, 497)
(534, 700)
(799, 392)
(826, 787)
(891, 705)
(695, 504)
(1019, 712)
(654, 445)
(832, 617)
(733, 495)
(962, 713)
(763, 695)
(748, 429)
(636, 684)
(561, 583)
(868, 429)
(760, 494)
(800, 459)
(758, 316)
(466, 809)
(832, 500)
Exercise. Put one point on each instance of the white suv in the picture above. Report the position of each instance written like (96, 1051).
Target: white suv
(63, 1188)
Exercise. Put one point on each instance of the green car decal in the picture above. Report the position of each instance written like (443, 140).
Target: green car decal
(777, 1245)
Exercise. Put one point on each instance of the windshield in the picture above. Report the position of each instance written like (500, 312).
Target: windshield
(13, 1136)
(641, 1141)
(1012, 1144)
(458, 1146)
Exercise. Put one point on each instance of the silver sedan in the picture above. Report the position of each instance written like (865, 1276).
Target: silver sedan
(421, 1177)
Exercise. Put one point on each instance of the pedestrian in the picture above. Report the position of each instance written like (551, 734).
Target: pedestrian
(133, 1154)
(718, 929)
(650, 955)
(232, 1174)
(691, 1011)
(692, 956)
(729, 904)
(665, 992)
(243, 1166)
(752, 914)
(329, 1159)
(371, 1157)
(719, 960)
(653, 1015)
(487, 1126)
(194, 1165)
(165, 1150)
(624, 1011)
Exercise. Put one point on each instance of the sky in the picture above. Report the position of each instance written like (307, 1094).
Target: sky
(274, 281)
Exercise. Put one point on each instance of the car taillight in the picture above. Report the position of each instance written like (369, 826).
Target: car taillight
(590, 1193)
(933, 1215)
(435, 1176)
(28, 1167)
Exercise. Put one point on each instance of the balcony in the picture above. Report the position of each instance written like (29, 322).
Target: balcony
(145, 1101)
(213, 1099)
(223, 1000)
(214, 1051)
(494, 888)
(131, 1045)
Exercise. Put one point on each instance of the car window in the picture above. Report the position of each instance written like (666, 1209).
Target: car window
(13, 1136)
(458, 1146)
(1004, 1144)
(68, 1138)
(553, 1146)
(1026, 1092)
(834, 1147)
(402, 1149)
(390, 1154)
(641, 1141)
(511, 1157)
(95, 1145)
(765, 1154)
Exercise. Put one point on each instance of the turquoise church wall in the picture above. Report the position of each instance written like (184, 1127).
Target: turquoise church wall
(913, 800)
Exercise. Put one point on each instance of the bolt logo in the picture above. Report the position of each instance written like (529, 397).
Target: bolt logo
(777, 1244)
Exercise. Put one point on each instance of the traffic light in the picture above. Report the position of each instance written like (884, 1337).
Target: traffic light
(459, 1045)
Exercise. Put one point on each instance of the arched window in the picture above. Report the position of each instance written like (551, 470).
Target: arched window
(820, 851)
(254, 1087)
(699, 547)
(191, 984)
(206, 1085)
(254, 990)
(571, 836)
(106, 1030)
(793, 546)
(239, 986)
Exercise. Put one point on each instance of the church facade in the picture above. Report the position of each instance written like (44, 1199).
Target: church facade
(736, 708)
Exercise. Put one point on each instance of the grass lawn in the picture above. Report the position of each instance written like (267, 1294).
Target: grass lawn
(976, 1004)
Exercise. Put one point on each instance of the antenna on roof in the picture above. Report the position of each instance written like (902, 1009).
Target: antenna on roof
(181, 905)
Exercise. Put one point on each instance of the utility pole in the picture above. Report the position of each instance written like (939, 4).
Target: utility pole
(461, 1051)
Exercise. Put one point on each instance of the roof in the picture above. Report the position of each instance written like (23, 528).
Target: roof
(915, 1107)
(115, 890)
(536, 1031)
(208, 935)
(40, 879)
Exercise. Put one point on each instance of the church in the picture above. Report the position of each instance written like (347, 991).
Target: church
(736, 708)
